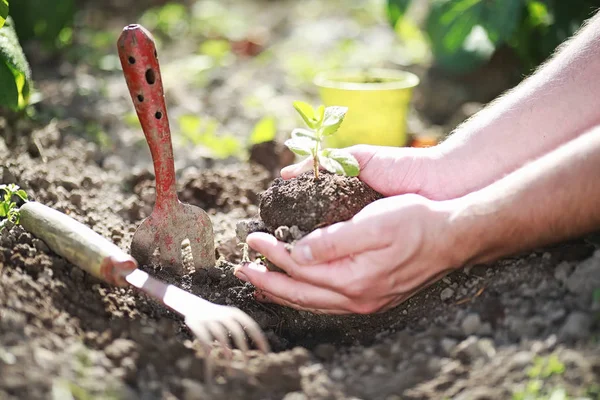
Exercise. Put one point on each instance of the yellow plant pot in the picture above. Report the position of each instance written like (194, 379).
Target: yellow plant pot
(377, 100)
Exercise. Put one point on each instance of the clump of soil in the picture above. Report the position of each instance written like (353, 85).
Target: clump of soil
(309, 203)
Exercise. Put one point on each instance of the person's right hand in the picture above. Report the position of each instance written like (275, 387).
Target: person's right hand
(392, 170)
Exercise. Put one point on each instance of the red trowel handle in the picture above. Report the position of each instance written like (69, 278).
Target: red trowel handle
(139, 60)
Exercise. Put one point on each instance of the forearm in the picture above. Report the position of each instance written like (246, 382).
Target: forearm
(553, 198)
(551, 107)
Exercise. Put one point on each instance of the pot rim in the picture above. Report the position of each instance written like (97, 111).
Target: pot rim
(335, 79)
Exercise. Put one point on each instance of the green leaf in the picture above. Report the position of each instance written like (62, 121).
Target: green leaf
(320, 113)
(15, 75)
(301, 145)
(307, 113)
(300, 132)
(396, 9)
(264, 131)
(3, 11)
(42, 20)
(464, 31)
(21, 193)
(340, 162)
(334, 116)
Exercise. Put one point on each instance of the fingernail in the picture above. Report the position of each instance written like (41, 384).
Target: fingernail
(302, 254)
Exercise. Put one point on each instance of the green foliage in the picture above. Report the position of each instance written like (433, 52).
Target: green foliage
(265, 130)
(464, 34)
(170, 20)
(544, 367)
(324, 121)
(3, 12)
(203, 132)
(535, 389)
(50, 22)
(15, 75)
(9, 213)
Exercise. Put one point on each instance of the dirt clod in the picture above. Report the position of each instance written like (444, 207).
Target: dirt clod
(308, 203)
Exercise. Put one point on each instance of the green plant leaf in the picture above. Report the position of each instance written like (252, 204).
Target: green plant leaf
(301, 145)
(43, 20)
(320, 113)
(300, 132)
(265, 130)
(15, 75)
(21, 193)
(3, 12)
(396, 9)
(307, 113)
(470, 29)
(334, 116)
(340, 162)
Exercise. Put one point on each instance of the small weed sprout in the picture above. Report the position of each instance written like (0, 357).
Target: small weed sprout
(322, 122)
(9, 212)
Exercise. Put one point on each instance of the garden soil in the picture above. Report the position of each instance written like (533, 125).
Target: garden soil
(475, 334)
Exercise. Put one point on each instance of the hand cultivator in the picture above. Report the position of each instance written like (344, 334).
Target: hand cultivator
(104, 260)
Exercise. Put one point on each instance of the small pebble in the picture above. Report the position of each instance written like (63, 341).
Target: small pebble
(577, 326)
(337, 373)
(448, 344)
(446, 294)
(471, 324)
(75, 199)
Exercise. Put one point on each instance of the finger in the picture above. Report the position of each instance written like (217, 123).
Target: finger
(337, 241)
(337, 275)
(267, 297)
(292, 171)
(328, 275)
(297, 292)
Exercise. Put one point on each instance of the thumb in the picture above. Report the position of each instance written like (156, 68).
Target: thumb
(292, 171)
(337, 241)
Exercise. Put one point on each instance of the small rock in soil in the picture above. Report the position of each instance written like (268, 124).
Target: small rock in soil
(562, 271)
(325, 351)
(577, 326)
(585, 279)
(119, 349)
(448, 344)
(446, 294)
(473, 348)
(471, 324)
(244, 228)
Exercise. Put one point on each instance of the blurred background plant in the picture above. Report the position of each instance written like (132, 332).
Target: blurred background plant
(464, 34)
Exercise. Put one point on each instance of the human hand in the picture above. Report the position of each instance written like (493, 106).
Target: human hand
(373, 262)
(392, 170)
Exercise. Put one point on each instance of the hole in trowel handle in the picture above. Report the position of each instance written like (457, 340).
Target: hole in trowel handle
(150, 76)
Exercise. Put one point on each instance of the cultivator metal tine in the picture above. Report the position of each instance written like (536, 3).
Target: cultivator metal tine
(252, 329)
(237, 334)
(219, 333)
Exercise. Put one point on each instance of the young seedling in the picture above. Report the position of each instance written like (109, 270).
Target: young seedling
(9, 212)
(322, 122)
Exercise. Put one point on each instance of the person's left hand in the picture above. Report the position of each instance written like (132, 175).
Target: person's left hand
(389, 250)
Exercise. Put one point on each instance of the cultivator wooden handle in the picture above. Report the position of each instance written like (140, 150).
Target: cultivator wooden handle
(77, 243)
